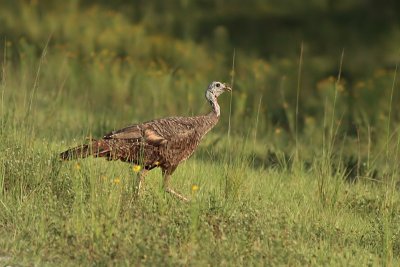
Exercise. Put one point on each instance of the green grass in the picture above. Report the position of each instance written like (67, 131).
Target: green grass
(270, 193)
(84, 213)
(75, 213)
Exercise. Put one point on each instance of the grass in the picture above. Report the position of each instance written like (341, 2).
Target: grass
(83, 213)
(263, 193)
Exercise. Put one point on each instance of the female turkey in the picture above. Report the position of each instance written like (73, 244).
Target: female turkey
(163, 143)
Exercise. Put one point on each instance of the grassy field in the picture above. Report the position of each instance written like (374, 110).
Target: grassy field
(84, 213)
(305, 191)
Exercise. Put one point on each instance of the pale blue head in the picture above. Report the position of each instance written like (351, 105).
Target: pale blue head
(214, 90)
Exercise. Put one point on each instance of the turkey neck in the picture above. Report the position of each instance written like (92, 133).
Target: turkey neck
(211, 119)
(215, 107)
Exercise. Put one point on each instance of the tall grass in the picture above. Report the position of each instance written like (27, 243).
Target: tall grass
(387, 209)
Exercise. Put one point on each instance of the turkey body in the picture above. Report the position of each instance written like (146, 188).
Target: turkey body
(163, 143)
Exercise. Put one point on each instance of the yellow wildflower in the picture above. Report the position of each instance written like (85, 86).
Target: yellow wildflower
(116, 180)
(195, 188)
(77, 166)
(136, 168)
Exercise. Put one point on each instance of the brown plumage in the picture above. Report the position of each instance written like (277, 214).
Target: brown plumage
(163, 143)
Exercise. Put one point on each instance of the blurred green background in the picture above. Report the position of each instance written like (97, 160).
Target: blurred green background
(106, 64)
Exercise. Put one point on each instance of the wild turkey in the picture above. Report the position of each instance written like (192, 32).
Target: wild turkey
(163, 143)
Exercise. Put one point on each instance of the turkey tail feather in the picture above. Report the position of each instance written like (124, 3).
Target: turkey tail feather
(97, 148)
(82, 151)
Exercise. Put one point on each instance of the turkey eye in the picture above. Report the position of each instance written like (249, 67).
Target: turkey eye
(218, 84)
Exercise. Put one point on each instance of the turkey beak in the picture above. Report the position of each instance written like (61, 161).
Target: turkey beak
(228, 88)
